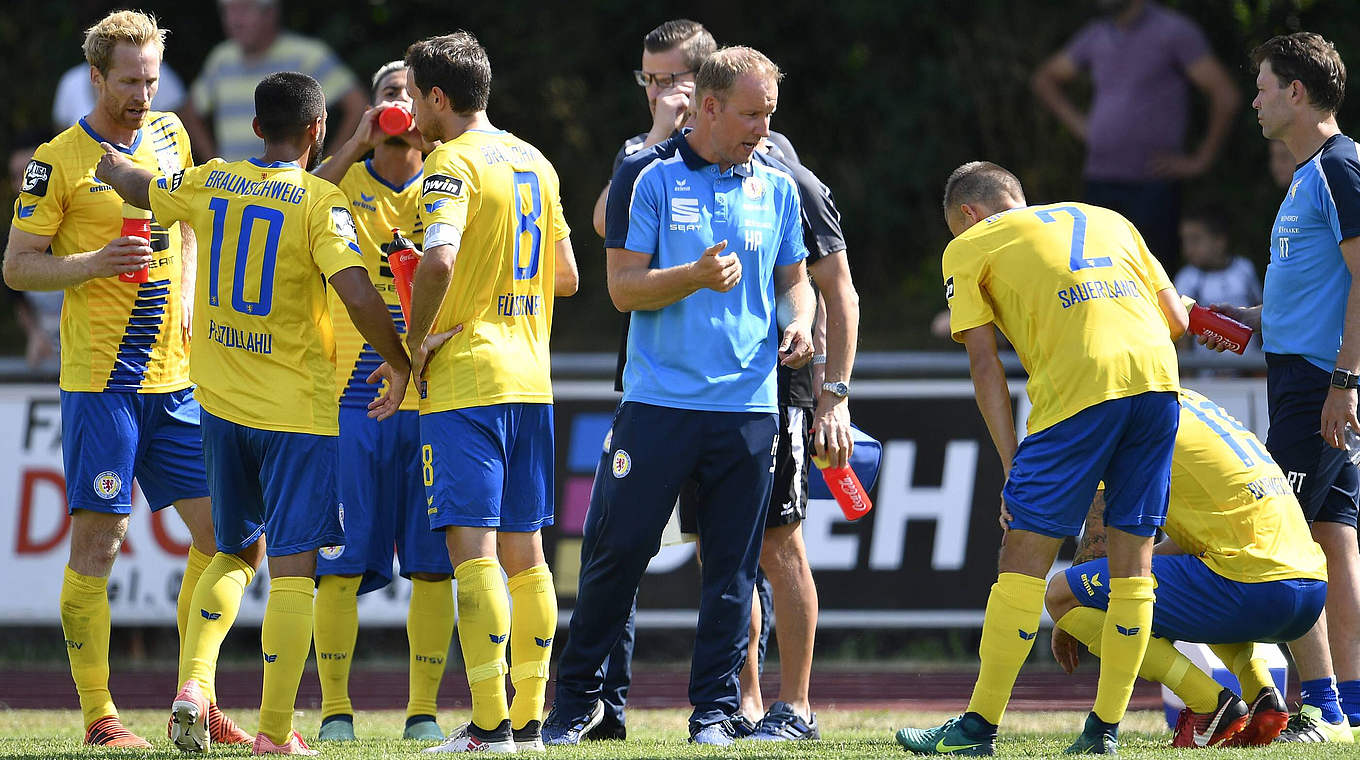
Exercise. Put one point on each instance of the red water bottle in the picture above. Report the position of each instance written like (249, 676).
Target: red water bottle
(394, 120)
(1232, 333)
(845, 487)
(136, 223)
(402, 260)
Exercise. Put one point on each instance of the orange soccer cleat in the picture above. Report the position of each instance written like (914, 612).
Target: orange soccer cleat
(108, 731)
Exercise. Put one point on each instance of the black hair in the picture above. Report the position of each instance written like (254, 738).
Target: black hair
(455, 63)
(287, 103)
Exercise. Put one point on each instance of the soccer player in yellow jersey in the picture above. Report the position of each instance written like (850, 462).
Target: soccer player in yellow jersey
(380, 482)
(1239, 565)
(1093, 317)
(127, 402)
(496, 255)
(272, 238)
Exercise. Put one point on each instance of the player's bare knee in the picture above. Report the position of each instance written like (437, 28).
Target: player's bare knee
(197, 517)
(95, 540)
(1058, 597)
(253, 555)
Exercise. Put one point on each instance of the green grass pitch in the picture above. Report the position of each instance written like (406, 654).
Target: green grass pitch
(653, 734)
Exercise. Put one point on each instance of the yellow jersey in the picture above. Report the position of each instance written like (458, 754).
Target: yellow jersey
(378, 207)
(269, 237)
(1074, 288)
(115, 335)
(1231, 505)
(502, 196)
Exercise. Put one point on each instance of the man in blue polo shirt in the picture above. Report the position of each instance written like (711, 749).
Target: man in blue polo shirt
(1310, 323)
(699, 385)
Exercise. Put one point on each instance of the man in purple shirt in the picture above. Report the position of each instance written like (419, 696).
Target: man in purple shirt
(1142, 59)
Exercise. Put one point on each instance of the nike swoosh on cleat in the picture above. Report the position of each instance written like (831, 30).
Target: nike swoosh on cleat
(1202, 739)
(941, 747)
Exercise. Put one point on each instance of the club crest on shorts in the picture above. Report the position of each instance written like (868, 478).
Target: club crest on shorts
(107, 484)
(334, 552)
(623, 463)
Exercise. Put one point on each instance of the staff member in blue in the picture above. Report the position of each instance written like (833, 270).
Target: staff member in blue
(699, 384)
(1310, 326)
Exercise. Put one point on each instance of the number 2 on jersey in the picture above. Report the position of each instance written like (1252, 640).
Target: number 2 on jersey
(273, 228)
(527, 223)
(1079, 260)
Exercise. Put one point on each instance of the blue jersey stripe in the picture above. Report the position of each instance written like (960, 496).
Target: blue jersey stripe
(139, 337)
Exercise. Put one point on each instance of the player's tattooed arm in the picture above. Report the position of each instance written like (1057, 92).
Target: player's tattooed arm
(1092, 543)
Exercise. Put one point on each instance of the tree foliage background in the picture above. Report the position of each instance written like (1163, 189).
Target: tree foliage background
(882, 98)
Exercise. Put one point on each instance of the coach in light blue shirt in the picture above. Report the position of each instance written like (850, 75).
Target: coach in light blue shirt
(1310, 323)
(705, 247)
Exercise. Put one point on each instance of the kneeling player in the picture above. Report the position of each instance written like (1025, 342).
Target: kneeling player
(1239, 566)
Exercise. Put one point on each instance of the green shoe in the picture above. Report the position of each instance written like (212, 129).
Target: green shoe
(422, 728)
(968, 735)
(336, 728)
(1097, 738)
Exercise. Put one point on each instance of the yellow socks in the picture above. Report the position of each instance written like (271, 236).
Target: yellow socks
(286, 639)
(85, 623)
(1008, 630)
(429, 629)
(532, 628)
(483, 627)
(335, 626)
(213, 607)
(1251, 671)
(1123, 641)
(193, 570)
(1162, 663)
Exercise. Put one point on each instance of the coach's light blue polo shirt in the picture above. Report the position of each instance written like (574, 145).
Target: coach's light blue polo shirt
(1307, 282)
(708, 351)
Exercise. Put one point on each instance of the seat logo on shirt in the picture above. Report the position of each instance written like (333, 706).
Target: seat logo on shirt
(36, 175)
(684, 211)
(107, 484)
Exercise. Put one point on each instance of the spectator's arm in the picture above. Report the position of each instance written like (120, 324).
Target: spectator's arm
(1047, 84)
(1210, 78)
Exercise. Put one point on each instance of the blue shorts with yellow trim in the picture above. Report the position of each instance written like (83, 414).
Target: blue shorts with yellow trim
(1196, 604)
(109, 438)
(489, 467)
(383, 502)
(271, 483)
(1126, 442)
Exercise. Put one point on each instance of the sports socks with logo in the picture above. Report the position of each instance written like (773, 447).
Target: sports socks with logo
(483, 627)
(1162, 662)
(429, 629)
(1123, 641)
(184, 603)
(534, 622)
(213, 607)
(1009, 627)
(85, 623)
(335, 626)
(1321, 693)
(286, 639)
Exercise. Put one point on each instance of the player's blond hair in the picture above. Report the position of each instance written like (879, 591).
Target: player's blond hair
(720, 72)
(135, 27)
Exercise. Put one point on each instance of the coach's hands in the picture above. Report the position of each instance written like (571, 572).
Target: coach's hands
(1066, 649)
(1338, 411)
(1249, 316)
(716, 271)
(795, 345)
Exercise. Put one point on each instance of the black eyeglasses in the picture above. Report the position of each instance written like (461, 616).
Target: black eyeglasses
(660, 80)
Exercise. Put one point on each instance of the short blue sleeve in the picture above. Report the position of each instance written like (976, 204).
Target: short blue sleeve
(1341, 168)
(791, 247)
(641, 213)
(619, 206)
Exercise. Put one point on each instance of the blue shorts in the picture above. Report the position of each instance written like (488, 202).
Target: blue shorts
(384, 500)
(1196, 604)
(1327, 484)
(1127, 442)
(281, 485)
(109, 438)
(489, 467)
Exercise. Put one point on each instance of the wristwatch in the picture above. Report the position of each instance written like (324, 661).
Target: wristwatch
(841, 390)
(1343, 379)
